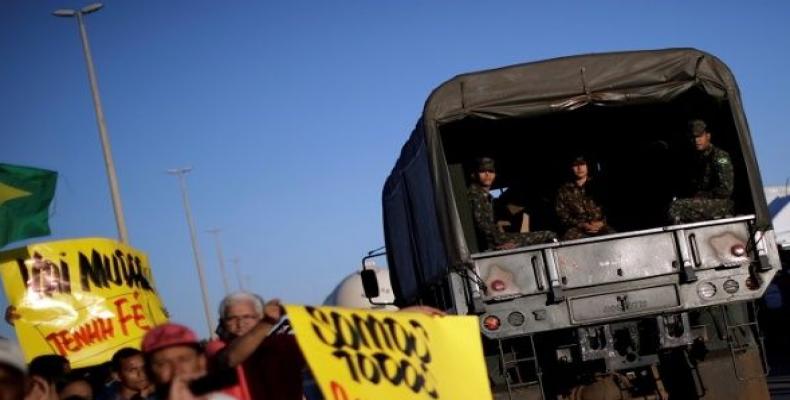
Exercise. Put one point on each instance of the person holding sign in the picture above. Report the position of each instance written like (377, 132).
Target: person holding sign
(238, 313)
(178, 364)
(270, 356)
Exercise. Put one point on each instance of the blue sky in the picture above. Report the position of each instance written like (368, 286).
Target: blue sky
(292, 113)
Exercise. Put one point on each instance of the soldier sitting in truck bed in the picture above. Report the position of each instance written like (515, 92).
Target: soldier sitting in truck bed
(711, 180)
(480, 201)
(576, 206)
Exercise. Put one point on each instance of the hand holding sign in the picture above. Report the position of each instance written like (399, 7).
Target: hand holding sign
(273, 310)
(11, 315)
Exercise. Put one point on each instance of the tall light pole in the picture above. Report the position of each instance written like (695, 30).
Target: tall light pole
(235, 261)
(105, 139)
(181, 174)
(216, 232)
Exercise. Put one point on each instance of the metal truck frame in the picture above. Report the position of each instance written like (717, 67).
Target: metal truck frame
(620, 304)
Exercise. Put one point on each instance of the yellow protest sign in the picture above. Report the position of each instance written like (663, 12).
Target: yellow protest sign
(83, 298)
(380, 355)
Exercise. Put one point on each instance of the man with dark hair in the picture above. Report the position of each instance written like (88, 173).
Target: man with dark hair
(12, 371)
(711, 181)
(75, 386)
(46, 373)
(576, 206)
(481, 202)
(131, 379)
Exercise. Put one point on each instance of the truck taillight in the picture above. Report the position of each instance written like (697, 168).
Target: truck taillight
(738, 250)
(491, 323)
(498, 285)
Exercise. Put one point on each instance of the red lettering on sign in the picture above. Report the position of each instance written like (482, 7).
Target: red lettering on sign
(130, 313)
(97, 330)
(74, 340)
(123, 318)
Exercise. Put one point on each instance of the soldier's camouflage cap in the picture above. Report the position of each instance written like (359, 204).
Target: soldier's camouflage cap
(485, 164)
(578, 160)
(697, 127)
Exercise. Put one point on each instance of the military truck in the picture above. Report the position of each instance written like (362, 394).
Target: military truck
(656, 309)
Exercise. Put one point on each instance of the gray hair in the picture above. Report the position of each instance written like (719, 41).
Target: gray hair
(237, 297)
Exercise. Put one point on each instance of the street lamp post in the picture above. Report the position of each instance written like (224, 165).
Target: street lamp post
(216, 232)
(181, 174)
(235, 261)
(105, 139)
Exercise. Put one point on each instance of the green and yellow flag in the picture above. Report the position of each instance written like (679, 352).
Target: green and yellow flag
(25, 194)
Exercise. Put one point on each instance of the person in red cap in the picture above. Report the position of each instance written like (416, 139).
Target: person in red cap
(175, 357)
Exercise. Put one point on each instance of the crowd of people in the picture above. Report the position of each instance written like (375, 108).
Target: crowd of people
(253, 356)
(708, 195)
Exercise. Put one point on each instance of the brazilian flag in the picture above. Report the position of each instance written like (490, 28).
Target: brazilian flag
(25, 194)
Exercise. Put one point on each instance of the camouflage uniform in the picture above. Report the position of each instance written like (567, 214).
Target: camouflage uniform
(575, 207)
(712, 183)
(485, 224)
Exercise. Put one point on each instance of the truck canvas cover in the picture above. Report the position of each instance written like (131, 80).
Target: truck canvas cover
(423, 230)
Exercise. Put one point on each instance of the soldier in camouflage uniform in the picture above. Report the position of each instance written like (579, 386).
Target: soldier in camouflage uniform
(712, 181)
(483, 211)
(576, 207)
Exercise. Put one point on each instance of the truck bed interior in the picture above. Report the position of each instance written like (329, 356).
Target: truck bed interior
(638, 154)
